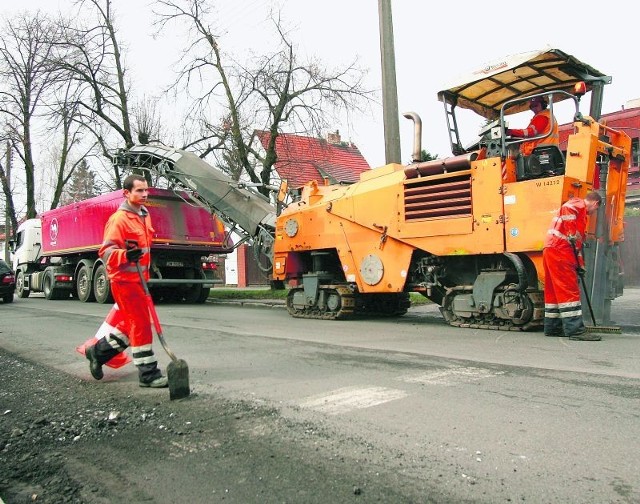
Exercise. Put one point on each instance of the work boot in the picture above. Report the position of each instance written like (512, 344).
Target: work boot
(553, 327)
(94, 365)
(585, 336)
(160, 382)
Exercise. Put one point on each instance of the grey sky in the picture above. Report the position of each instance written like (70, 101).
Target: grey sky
(434, 42)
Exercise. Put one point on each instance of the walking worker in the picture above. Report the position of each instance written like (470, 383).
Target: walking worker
(541, 123)
(130, 223)
(562, 264)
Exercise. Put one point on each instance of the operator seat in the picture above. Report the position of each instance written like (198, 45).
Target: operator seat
(546, 160)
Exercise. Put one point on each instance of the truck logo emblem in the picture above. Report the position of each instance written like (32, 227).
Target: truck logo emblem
(53, 230)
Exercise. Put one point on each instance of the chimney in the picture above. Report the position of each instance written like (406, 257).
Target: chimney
(632, 103)
(334, 138)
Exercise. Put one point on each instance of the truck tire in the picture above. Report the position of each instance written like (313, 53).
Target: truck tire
(84, 286)
(101, 287)
(196, 294)
(20, 290)
(8, 298)
(204, 295)
(50, 292)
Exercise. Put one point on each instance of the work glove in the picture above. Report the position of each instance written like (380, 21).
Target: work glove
(581, 271)
(134, 254)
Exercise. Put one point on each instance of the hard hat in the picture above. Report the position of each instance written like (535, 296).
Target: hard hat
(538, 99)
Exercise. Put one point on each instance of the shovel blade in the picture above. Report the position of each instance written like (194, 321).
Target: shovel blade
(178, 377)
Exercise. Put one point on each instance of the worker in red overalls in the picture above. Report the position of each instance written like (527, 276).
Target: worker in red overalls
(541, 123)
(562, 306)
(130, 223)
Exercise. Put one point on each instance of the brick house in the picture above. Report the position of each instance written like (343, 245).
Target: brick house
(300, 160)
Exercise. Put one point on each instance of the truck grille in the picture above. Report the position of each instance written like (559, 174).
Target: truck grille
(438, 196)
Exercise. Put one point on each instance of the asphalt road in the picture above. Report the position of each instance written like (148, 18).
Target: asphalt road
(478, 416)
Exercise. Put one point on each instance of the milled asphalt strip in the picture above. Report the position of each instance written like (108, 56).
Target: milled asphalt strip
(347, 399)
(449, 377)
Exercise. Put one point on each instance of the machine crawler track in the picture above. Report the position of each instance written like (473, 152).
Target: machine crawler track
(340, 302)
(490, 321)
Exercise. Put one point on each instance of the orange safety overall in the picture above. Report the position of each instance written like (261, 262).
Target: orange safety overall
(562, 306)
(541, 123)
(126, 225)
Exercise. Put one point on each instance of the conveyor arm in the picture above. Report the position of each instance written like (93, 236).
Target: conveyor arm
(245, 212)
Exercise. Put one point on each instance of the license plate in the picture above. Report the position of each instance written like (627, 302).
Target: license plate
(175, 264)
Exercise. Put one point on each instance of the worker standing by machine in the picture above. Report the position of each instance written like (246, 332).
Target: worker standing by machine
(562, 306)
(130, 223)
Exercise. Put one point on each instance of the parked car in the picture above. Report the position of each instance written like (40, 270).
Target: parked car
(7, 282)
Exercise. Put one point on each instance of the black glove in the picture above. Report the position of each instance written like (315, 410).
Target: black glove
(581, 271)
(134, 254)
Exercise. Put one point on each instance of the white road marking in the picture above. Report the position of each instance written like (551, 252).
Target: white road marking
(351, 398)
(453, 376)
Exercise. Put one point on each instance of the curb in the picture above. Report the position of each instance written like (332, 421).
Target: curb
(271, 303)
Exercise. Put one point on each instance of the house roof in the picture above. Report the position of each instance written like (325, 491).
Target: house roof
(303, 159)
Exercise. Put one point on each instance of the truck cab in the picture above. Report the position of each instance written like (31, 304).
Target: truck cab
(28, 243)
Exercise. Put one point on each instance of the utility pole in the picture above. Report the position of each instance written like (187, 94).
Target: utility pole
(7, 219)
(389, 89)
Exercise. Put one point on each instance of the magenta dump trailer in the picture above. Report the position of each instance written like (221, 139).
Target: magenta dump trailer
(57, 254)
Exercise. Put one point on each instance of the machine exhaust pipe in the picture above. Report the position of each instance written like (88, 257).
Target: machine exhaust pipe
(416, 157)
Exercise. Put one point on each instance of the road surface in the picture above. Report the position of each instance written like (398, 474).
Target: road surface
(371, 410)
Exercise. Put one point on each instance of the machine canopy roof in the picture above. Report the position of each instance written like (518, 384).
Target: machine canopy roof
(485, 90)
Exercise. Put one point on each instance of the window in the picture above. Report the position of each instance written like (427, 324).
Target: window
(635, 152)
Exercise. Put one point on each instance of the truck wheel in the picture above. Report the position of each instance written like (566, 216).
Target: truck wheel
(20, 290)
(196, 295)
(84, 287)
(204, 295)
(50, 292)
(101, 287)
(8, 298)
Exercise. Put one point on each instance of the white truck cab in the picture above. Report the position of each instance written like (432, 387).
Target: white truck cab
(28, 244)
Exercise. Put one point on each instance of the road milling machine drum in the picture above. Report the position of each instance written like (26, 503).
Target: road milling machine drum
(467, 231)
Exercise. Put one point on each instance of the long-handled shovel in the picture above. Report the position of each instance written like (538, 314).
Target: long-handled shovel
(177, 370)
(596, 327)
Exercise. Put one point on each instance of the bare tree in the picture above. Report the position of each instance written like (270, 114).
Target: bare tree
(65, 120)
(10, 209)
(26, 74)
(148, 121)
(271, 93)
(90, 52)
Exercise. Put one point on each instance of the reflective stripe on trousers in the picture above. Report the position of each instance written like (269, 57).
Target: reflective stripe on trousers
(136, 322)
(562, 306)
